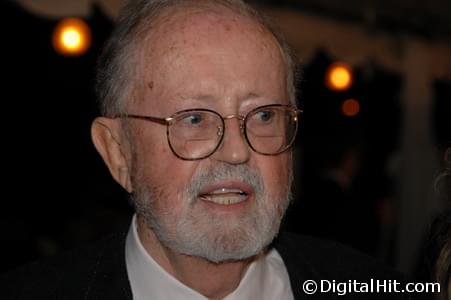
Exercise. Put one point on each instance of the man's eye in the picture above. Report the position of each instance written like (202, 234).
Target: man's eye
(193, 119)
(264, 116)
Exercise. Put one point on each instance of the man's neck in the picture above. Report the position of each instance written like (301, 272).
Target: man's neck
(214, 281)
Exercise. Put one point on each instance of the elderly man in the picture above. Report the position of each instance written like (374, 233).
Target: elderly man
(198, 118)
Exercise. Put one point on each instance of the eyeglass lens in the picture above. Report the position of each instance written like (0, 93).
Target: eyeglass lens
(198, 133)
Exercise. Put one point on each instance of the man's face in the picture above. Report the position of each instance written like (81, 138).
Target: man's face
(229, 205)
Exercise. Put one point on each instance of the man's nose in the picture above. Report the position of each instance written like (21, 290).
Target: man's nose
(233, 149)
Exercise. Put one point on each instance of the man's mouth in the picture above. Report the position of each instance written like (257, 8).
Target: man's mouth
(225, 196)
(227, 192)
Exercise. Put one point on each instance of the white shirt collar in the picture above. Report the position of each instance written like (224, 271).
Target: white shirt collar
(266, 278)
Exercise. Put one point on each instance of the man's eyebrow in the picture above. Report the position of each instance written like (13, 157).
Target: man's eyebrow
(196, 97)
(210, 97)
(251, 96)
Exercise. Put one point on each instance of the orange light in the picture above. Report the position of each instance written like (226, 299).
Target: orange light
(350, 107)
(71, 37)
(339, 77)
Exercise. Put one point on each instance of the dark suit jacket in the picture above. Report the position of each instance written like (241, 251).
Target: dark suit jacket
(99, 271)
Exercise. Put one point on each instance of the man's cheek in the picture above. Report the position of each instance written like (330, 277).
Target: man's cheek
(275, 174)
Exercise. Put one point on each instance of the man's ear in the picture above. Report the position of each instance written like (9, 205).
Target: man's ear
(109, 141)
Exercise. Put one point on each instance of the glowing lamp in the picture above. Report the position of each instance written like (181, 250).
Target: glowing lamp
(71, 37)
(350, 107)
(339, 77)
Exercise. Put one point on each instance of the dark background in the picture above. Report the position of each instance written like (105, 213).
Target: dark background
(57, 193)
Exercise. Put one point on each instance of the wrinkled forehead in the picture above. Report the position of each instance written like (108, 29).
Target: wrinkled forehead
(200, 27)
(204, 21)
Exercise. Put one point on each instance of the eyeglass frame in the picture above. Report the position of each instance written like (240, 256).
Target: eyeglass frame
(242, 119)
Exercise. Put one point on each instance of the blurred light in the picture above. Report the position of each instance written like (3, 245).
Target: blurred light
(350, 107)
(71, 37)
(339, 77)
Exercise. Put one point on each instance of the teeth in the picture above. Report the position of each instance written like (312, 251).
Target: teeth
(225, 196)
(225, 190)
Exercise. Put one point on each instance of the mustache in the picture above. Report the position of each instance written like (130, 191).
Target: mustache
(224, 172)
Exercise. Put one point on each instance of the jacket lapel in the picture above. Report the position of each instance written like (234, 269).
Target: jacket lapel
(299, 270)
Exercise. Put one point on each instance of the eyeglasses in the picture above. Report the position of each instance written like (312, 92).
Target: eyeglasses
(195, 134)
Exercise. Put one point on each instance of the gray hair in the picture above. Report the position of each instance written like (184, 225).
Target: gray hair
(118, 65)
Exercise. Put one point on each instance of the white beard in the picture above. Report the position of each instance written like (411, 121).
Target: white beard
(199, 232)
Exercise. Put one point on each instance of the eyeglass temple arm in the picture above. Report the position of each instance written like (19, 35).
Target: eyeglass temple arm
(162, 121)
